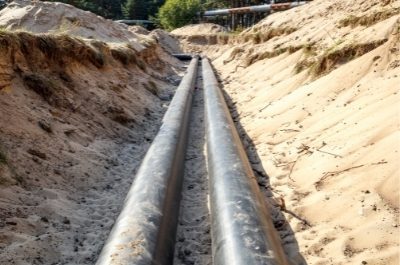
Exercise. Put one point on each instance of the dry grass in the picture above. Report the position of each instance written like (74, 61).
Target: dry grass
(270, 54)
(125, 54)
(303, 65)
(60, 48)
(329, 59)
(309, 49)
(309, 52)
(368, 20)
(233, 54)
(55, 47)
(260, 36)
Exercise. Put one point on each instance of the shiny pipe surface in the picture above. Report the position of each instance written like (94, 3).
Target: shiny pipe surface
(144, 233)
(241, 226)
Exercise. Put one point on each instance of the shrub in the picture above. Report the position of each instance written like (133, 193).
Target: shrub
(177, 13)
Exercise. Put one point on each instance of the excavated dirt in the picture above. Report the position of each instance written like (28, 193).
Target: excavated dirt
(77, 116)
(198, 29)
(193, 237)
(314, 93)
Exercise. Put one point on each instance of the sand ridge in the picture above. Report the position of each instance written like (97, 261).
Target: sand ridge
(73, 128)
(199, 29)
(59, 18)
(319, 101)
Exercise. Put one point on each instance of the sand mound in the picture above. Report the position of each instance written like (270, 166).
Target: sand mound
(199, 29)
(315, 91)
(77, 116)
(139, 30)
(59, 18)
(168, 42)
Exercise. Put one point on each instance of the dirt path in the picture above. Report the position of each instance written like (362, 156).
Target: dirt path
(193, 239)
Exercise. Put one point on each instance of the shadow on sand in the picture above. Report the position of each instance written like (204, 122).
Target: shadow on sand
(281, 224)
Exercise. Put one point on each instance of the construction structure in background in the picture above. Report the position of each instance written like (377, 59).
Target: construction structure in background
(243, 17)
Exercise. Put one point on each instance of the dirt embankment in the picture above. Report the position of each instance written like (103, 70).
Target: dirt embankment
(314, 91)
(77, 116)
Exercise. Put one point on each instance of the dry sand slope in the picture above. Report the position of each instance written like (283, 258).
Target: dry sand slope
(76, 117)
(316, 88)
(61, 18)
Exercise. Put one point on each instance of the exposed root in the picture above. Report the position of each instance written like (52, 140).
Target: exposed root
(318, 183)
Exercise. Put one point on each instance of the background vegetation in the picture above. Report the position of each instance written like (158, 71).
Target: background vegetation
(167, 13)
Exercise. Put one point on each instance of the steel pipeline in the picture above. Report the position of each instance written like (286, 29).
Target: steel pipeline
(183, 56)
(242, 229)
(144, 232)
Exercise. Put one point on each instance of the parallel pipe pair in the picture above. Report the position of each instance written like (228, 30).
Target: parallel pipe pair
(242, 230)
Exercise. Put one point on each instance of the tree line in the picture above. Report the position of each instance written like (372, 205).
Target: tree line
(118, 9)
(168, 14)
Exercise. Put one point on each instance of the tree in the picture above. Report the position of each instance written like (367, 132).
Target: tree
(135, 9)
(105, 8)
(177, 13)
(154, 5)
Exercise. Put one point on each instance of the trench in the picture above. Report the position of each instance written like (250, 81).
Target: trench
(193, 238)
(195, 198)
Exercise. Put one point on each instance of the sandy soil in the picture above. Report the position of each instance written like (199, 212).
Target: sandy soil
(318, 99)
(167, 42)
(59, 18)
(313, 92)
(193, 238)
(199, 29)
(72, 132)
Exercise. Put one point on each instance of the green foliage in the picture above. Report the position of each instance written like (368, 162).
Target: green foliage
(117, 9)
(106, 8)
(177, 13)
(135, 9)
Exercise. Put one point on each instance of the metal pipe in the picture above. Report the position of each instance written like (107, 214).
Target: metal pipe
(182, 56)
(135, 21)
(241, 225)
(144, 232)
(253, 9)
